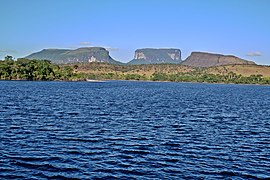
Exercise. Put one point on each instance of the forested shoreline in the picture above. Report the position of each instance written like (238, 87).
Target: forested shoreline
(232, 78)
(25, 69)
(44, 70)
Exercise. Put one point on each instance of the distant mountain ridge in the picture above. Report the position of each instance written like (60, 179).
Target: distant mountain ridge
(141, 56)
(85, 54)
(203, 59)
(156, 56)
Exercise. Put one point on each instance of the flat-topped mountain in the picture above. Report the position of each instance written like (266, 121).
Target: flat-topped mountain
(86, 54)
(203, 59)
(142, 56)
(156, 56)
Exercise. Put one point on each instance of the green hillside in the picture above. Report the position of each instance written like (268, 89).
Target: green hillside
(63, 56)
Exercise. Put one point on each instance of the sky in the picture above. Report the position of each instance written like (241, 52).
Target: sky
(232, 27)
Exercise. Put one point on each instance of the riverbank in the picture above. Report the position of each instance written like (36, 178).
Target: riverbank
(150, 81)
(43, 70)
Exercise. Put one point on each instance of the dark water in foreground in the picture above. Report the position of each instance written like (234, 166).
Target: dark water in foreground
(133, 130)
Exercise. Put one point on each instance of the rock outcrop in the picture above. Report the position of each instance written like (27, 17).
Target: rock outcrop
(142, 56)
(156, 56)
(63, 56)
(203, 59)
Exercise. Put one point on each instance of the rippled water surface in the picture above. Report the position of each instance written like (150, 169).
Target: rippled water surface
(133, 130)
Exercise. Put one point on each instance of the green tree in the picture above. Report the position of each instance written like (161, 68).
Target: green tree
(8, 58)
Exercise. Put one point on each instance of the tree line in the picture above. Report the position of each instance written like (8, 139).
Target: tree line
(25, 69)
(44, 70)
(231, 77)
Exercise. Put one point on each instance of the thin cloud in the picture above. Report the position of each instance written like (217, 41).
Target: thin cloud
(85, 43)
(7, 51)
(111, 48)
(253, 54)
(108, 48)
(71, 47)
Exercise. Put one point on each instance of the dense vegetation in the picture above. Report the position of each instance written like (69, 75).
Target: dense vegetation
(211, 78)
(24, 69)
(68, 55)
(181, 77)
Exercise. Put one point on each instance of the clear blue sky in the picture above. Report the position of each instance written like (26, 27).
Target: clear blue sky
(238, 27)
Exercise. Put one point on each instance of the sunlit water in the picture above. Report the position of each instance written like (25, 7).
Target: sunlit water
(133, 130)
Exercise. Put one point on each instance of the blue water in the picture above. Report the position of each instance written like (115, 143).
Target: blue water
(133, 130)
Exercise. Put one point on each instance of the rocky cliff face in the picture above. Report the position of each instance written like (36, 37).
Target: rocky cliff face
(202, 59)
(155, 56)
(87, 54)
